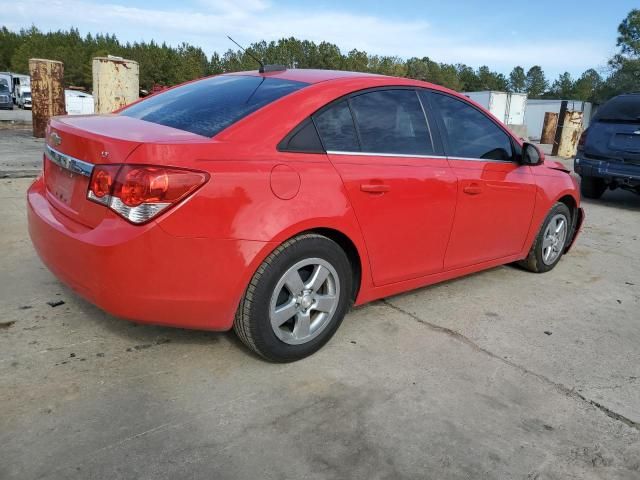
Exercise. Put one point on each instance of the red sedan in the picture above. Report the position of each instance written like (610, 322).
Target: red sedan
(271, 202)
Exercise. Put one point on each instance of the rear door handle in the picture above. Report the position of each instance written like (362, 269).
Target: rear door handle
(472, 189)
(374, 188)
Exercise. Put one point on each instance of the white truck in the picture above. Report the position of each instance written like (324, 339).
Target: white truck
(18, 81)
(23, 97)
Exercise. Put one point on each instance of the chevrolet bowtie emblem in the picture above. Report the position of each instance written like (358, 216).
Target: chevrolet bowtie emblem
(55, 138)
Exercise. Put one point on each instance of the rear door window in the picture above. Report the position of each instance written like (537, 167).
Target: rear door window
(208, 106)
(470, 133)
(392, 122)
(336, 128)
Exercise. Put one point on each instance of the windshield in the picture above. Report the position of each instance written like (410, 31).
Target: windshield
(208, 106)
(624, 108)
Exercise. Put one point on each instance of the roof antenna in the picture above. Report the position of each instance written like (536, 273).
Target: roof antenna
(261, 69)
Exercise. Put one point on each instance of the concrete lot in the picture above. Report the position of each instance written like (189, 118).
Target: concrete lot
(20, 152)
(502, 374)
(15, 116)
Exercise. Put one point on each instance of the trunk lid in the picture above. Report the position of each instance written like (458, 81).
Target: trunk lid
(75, 144)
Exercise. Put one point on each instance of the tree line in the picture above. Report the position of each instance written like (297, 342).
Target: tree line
(162, 64)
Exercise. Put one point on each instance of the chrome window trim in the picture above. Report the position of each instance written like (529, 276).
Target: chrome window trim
(473, 159)
(372, 154)
(406, 155)
(68, 162)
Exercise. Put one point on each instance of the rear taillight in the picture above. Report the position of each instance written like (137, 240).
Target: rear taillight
(140, 192)
(102, 180)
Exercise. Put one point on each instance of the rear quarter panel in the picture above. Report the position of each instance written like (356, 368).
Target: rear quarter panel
(240, 201)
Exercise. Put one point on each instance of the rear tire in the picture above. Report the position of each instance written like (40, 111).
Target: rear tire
(551, 241)
(296, 300)
(592, 187)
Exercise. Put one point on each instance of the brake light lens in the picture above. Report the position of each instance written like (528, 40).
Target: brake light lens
(102, 179)
(139, 193)
(144, 185)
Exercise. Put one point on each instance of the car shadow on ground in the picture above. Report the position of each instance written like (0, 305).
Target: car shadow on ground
(138, 333)
(140, 336)
(616, 199)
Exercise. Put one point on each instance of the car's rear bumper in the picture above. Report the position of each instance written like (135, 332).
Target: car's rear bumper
(618, 172)
(142, 273)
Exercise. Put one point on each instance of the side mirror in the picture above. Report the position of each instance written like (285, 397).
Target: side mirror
(531, 155)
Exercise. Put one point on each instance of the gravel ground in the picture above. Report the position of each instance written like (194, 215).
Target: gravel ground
(501, 374)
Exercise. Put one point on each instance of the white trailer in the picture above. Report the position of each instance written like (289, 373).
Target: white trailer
(495, 102)
(517, 108)
(78, 103)
(509, 108)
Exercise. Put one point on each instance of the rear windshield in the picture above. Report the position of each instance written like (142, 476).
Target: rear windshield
(208, 106)
(625, 108)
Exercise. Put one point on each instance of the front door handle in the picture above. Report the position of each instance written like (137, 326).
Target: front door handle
(472, 189)
(374, 188)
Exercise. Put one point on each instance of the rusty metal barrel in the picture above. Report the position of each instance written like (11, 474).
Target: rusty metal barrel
(549, 127)
(571, 131)
(116, 83)
(47, 92)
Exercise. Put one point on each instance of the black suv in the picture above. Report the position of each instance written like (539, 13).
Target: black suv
(609, 150)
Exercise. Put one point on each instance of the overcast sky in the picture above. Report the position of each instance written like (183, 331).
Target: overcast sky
(558, 35)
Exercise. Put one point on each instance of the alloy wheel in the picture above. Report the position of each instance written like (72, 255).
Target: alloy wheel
(304, 301)
(554, 238)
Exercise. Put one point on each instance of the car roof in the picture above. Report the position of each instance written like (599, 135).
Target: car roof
(309, 75)
(314, 76)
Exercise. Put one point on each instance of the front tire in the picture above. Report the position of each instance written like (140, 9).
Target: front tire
(296, 300)
(592, 187)
(551, 241)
